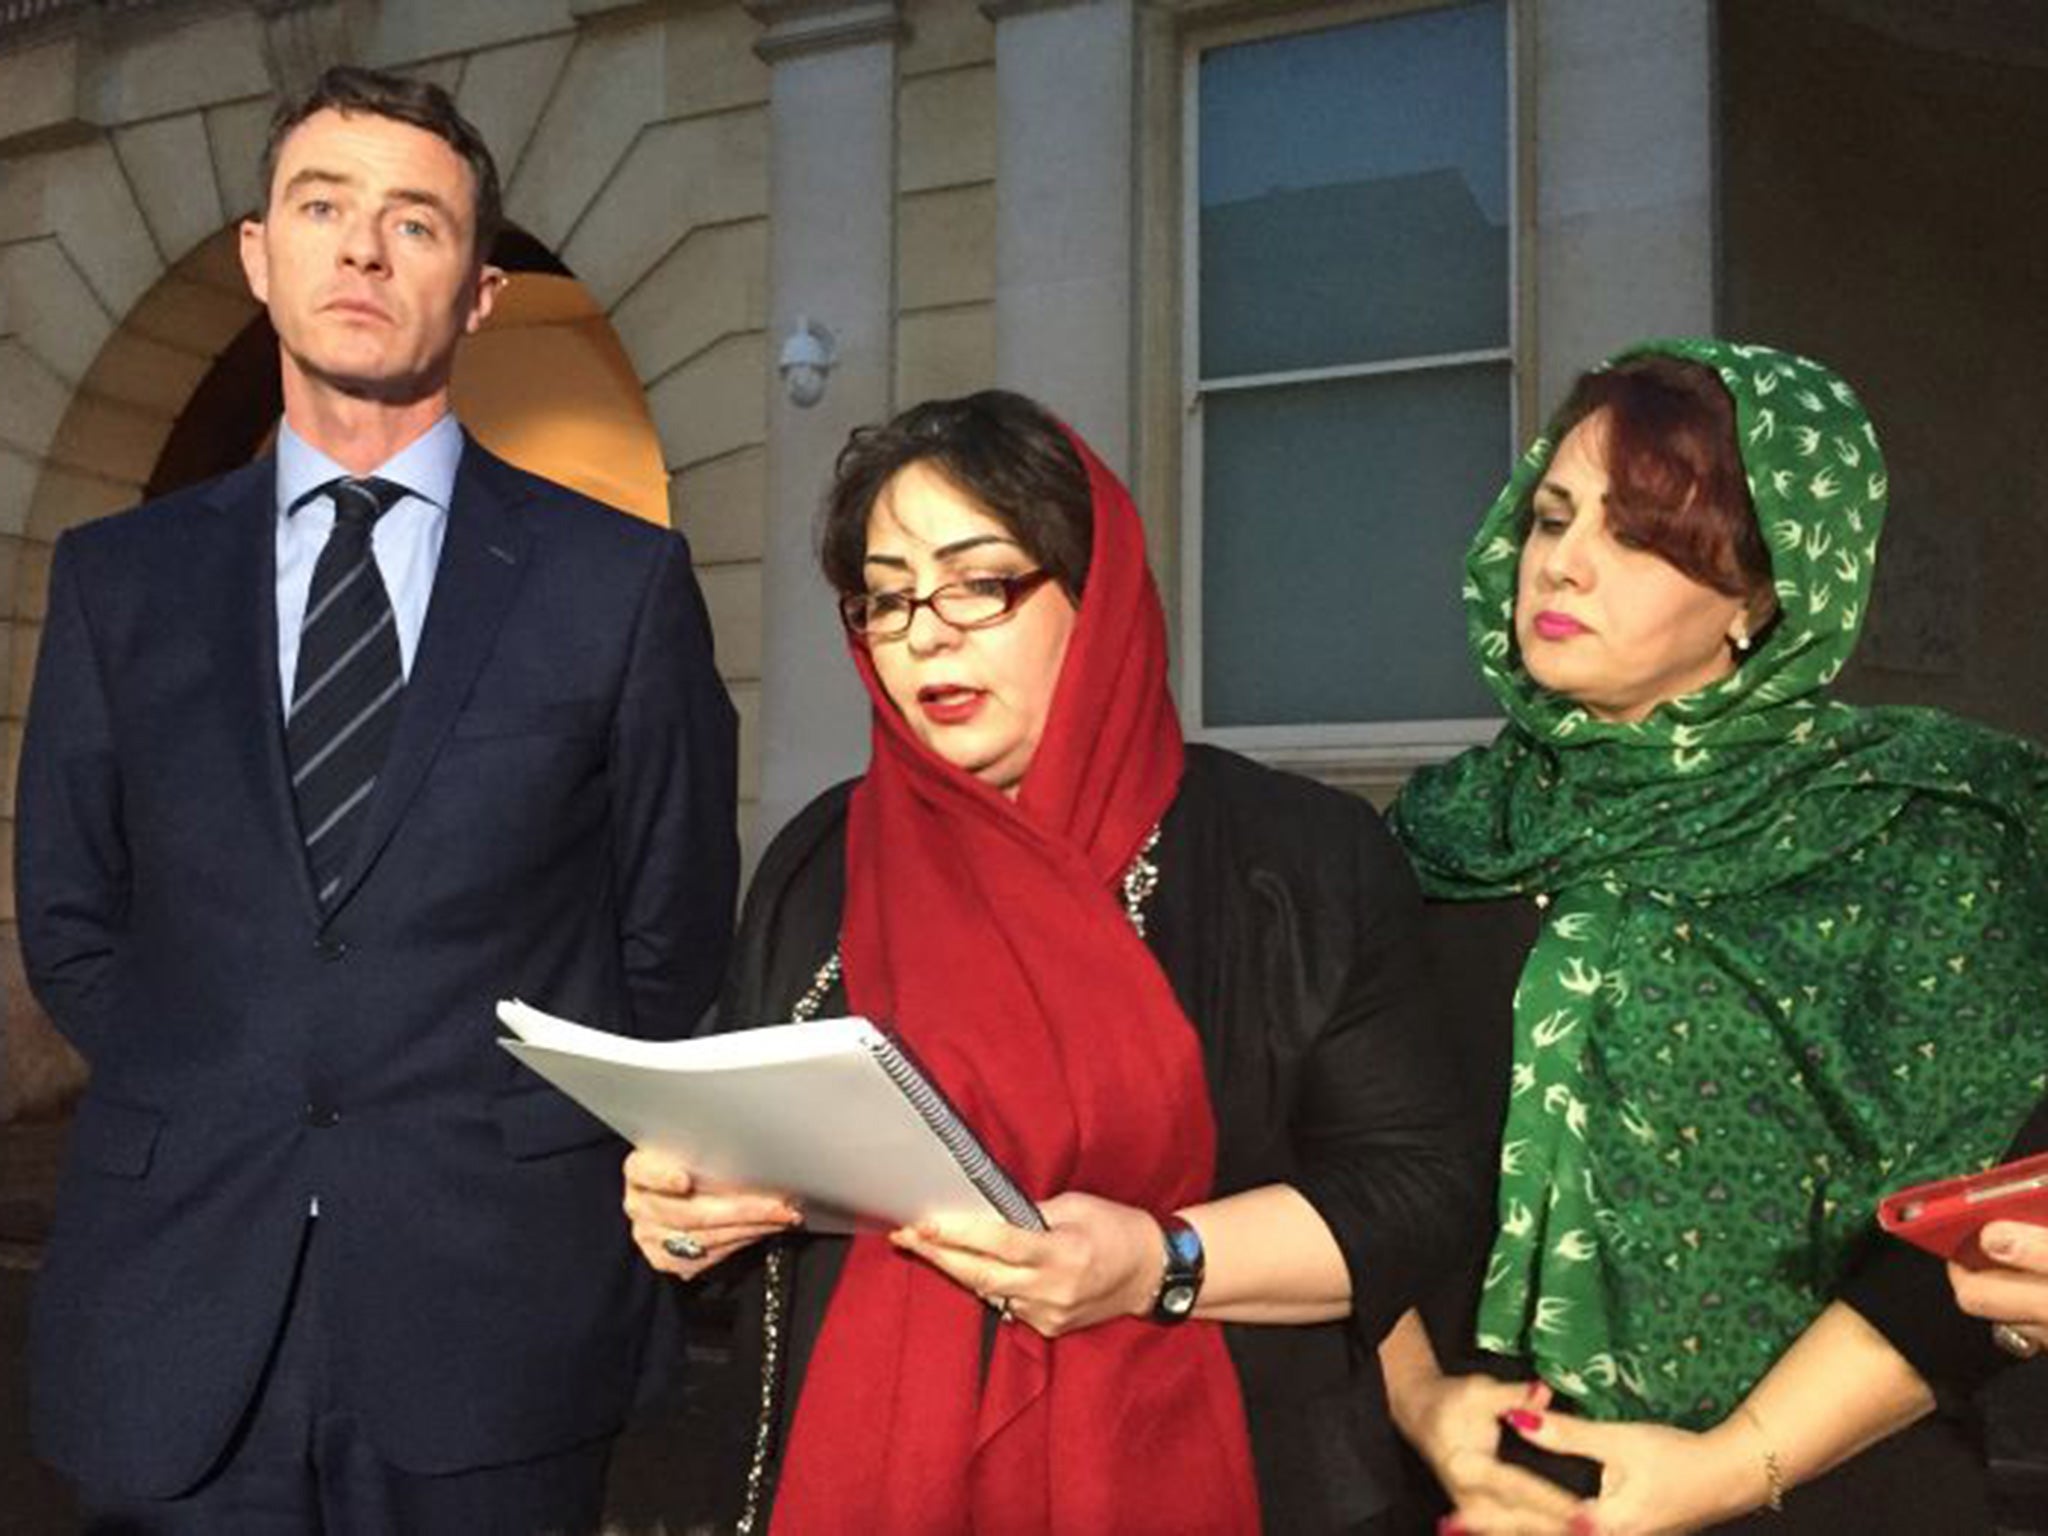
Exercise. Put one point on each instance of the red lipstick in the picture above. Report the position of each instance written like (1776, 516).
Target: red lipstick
(947, 704)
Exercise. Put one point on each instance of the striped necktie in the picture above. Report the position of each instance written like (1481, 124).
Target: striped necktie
(346, 692)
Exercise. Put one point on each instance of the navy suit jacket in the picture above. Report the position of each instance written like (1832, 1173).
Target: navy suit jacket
(555, 821)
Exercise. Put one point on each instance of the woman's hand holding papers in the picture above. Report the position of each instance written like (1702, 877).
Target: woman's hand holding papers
(1098, 1260)
(682, 1229)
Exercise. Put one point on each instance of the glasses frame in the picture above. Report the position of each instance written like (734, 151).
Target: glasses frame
(1015, 590)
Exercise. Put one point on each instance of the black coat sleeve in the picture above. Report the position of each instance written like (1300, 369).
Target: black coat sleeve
(1288, 922)
(673, 764)
(1476, 951)
(71, 870)
(1388, 1156)
(1904, 1294)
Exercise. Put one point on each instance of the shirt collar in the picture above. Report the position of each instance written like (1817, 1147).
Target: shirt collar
(425, 466)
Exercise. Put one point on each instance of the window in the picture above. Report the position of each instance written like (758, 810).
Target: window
(1351, 366)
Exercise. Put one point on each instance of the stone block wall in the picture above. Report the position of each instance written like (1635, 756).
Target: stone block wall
(945, 203)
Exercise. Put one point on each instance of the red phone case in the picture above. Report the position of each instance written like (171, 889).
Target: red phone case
(1943, 1217)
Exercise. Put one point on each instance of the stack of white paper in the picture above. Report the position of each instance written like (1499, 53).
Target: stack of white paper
(830, 1112)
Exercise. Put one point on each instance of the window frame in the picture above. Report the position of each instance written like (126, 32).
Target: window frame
(1357, 753)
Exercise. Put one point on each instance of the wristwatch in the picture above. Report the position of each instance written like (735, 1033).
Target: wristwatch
(1181, 1282)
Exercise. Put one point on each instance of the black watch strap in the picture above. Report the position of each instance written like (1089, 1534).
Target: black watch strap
(1180, 1285)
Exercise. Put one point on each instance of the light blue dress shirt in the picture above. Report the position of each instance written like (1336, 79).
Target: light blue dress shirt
(406, 540)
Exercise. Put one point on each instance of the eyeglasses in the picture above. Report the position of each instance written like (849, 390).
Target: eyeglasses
(972, 604)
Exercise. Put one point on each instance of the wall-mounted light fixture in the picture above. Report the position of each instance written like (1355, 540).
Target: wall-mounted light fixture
(808, 354)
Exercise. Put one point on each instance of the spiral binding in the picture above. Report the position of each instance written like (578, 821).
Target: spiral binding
(964, 1146)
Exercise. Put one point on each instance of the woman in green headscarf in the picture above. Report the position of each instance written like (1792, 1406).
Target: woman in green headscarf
(1769, 956)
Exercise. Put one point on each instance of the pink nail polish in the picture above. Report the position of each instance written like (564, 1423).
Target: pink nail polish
(1583, 1524)
(1522, 1419)
(1449, 1526)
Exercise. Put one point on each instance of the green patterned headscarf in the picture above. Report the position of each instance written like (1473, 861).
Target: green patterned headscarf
(1793, 953)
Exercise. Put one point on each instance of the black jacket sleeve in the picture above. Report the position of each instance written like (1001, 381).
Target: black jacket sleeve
(1476, 951)
(1288, 923)
(672, 767)
(71, 870)
(1904, 1294)
(1388, 1155)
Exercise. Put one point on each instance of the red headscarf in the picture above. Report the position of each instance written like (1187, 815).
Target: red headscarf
(990, 933)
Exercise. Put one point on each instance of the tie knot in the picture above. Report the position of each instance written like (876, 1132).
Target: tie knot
(362, 502)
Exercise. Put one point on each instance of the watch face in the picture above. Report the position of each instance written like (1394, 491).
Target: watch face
(1177, 1300)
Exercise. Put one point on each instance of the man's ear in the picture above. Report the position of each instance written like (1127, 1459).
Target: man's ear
(255, 259)
(490, 282)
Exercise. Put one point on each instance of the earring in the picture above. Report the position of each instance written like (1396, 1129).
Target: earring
(1742, 640)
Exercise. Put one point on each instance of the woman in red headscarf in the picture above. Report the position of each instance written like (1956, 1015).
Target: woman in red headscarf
(1176, 995)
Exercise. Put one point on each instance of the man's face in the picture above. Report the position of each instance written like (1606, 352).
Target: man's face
(366, 256)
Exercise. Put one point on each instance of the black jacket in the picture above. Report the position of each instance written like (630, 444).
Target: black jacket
(1285, 919)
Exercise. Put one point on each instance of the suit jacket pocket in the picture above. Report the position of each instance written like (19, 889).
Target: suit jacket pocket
(539, 1122)
(111, 1137)
(585, 718)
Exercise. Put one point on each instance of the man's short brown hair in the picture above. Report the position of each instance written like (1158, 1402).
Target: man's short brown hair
(353, 91)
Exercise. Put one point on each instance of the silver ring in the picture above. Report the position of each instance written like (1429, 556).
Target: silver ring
(680, 1245)
(2021, 1346)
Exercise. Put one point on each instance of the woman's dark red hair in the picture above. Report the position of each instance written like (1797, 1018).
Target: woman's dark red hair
(1677, 486)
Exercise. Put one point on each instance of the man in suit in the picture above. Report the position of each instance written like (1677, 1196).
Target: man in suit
(324, 757)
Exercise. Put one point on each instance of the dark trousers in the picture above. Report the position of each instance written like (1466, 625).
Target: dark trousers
(300, 1463)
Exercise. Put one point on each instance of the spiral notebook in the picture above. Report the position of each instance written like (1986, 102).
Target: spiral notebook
(832, 1111)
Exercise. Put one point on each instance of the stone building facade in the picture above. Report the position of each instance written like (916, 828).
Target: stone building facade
(944, 194)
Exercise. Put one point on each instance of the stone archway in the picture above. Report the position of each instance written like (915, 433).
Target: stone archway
(633, 142)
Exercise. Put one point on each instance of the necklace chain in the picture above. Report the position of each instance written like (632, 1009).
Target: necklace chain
(1140, 880)
(820, 988)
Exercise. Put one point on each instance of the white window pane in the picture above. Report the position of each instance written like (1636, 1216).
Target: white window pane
(1334, 523)
(1354, 193)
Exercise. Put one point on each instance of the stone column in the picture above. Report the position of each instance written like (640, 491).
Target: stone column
(1065, 82)
(832, 175)
(1624, 179)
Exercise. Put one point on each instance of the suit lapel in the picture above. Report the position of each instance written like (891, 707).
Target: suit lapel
(246, 501)
(482, 557)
